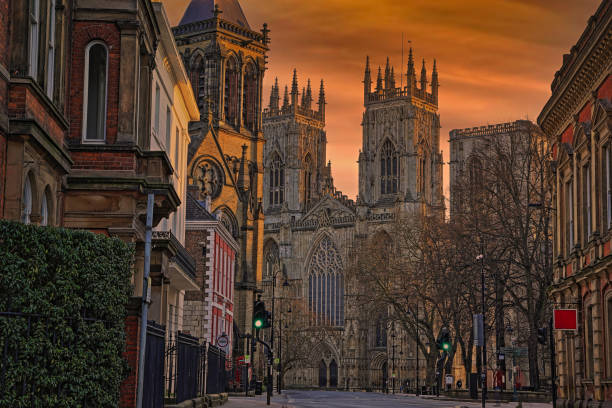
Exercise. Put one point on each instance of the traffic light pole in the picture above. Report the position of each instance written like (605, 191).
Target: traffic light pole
(270, 361)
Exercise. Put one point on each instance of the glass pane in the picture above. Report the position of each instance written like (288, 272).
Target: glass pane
(96, 93)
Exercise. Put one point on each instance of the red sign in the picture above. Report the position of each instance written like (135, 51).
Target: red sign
(565, 319)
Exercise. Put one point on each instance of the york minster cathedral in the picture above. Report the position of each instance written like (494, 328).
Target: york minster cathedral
(310, 226)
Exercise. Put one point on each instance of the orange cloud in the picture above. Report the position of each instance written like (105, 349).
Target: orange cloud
(496, 58)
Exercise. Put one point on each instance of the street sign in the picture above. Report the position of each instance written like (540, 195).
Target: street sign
(222, 341)
(565, 319)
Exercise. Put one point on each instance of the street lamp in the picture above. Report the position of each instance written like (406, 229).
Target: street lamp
(484, 343)
(393, 357)
(280, 342)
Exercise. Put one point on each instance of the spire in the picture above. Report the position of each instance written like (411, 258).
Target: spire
(387, 75)
(294, 89)
(309, 95)
(286, 98)
(367, 81)
(274, 96)
(303, 97)
(411, 71)
(241, 183)
(424, 77)
(379, 81)
(392, 79)
(321, 102)
(435, 84)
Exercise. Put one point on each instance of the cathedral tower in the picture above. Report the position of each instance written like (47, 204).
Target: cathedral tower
(226, 60)
(295, 151)
(400, 160)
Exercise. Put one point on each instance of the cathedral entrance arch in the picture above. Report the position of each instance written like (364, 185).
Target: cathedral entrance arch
(322, 374)
(333, 374)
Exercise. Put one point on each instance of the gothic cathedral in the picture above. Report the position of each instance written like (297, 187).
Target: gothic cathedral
(225, 60)
(310, 226)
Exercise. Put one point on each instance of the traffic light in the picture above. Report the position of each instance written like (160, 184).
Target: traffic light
(259, 315)
(444, 340)
(542, 335)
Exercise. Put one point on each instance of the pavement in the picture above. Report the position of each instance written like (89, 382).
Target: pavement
(339, 399)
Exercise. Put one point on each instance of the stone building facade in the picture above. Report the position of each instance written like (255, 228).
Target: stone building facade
(225, 60)
(77, 142)
(310, 226)
(578, 117)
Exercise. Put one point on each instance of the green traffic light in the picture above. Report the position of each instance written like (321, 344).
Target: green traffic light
(258, 323)
(446, 346)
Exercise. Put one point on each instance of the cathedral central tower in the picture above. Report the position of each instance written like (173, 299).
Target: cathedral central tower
(400, 160)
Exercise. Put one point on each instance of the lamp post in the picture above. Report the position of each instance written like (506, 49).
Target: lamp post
(484, 342)
(416, 349)
(280, 345)
(393, 357)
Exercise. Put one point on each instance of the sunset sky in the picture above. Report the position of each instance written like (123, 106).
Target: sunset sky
(496, 58)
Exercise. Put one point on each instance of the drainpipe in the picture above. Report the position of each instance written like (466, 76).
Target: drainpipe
(145, 300)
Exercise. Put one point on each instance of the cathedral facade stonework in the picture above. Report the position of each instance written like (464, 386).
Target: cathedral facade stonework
(310, 226)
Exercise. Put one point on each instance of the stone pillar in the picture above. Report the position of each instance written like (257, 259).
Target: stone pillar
(128, 82)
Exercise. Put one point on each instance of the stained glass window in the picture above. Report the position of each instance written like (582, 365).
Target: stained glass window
(326, 288)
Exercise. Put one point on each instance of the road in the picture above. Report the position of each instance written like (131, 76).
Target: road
(324, 399)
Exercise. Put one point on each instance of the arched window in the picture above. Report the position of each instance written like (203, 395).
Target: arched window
(34, 37)
(95, 98)
(277, 182)
(51, 51)
(44, 208)
(204, 78)
(307, 179)
(271, 259)
(389, 169)
(197, 76)
(249, 104)
(231, 92)
(326, 285)
(27, 197)
(381, 332)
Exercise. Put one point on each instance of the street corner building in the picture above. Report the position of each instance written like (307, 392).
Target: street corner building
(310, 226)
(225, 61)
(94, 112)
(578, 117)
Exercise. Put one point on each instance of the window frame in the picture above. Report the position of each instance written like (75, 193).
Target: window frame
(27, 197)
(51, 44)
(84, 138)
(34, 40)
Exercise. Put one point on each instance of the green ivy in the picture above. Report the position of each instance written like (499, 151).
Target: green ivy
(70, 288)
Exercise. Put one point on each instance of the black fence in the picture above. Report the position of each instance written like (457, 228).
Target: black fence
(153, 387)
(216, 378)
(185, 367)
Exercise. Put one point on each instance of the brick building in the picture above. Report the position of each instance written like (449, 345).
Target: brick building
(578, 117)
(209, 312)
(80, 145)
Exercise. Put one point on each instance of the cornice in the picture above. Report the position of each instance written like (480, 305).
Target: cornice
(588, 65)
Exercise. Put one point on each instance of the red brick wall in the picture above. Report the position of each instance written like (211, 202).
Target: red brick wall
(585, 113)
(23, 103)
(4, 35)
(129, 385)
(85, 32)
(192, 245)
(104, 161)
(605, 90)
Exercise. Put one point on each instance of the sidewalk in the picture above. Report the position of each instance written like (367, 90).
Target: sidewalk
(258, 401)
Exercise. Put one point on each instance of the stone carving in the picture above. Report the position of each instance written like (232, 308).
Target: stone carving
(210, 180)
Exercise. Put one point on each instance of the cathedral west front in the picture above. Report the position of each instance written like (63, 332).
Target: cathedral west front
(310, 226)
